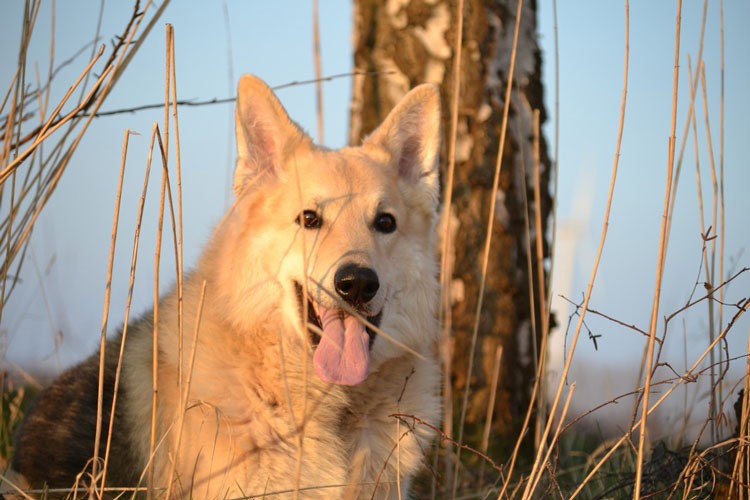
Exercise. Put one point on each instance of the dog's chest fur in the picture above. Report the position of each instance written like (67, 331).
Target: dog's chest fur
(253, 409)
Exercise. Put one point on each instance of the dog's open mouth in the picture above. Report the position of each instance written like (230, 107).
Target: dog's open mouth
(342, 341)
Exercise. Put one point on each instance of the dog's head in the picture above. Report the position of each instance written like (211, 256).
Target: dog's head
(347, 235)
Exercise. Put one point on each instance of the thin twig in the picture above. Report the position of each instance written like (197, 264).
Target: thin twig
(227, 100)
(443, 436)
(743, 307)
(49, 127)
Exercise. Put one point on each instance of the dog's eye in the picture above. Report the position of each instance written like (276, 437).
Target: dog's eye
(385, 223)
(309, 219)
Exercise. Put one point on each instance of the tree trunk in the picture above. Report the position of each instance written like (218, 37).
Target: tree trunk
(400, 44)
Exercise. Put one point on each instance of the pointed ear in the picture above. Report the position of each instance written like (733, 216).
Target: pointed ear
(264, 132)
(411, 133)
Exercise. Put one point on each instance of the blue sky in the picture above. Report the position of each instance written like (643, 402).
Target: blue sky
(273, 40)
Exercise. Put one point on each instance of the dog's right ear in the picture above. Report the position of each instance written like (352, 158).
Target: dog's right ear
(411, 133)
(264, 133)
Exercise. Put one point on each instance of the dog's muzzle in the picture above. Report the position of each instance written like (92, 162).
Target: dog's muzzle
(342, 336)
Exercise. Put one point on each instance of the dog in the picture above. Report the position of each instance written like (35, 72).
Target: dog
(305, 364)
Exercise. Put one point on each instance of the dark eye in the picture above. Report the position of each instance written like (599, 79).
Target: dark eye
(309, 219)
(385, 223)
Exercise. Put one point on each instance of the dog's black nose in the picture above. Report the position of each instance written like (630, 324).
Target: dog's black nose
(355, 284)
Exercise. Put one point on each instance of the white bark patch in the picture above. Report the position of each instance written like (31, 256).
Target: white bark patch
(520, 125)
(464, 143)
(432, 38)
(484, 112)
(434, 71)
(432, 35)
(397, 13)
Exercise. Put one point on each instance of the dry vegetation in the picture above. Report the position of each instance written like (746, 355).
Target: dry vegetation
(39, 139)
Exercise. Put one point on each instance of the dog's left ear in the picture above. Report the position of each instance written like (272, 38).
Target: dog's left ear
(265, 133)
(411, 133)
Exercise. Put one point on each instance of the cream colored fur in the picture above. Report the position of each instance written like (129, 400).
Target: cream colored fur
(258, 418)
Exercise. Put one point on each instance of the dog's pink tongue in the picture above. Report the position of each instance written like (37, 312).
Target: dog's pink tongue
(343, 355)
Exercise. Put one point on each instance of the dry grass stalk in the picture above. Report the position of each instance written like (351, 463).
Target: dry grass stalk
(602, 239)
(186, 387)
(690, 114)
(446, 265)
(179, 241)
(15, 487)
(305, 326)
(488, 239)
(555, 159)
(164, 149)
(722, 231)
(537, 398)
(715, 410)
(155, 335)
(538, 467)
(321, 139)
(52, 124)
(687, 377)
(659, 264)
(318, 72)
(677, 170)
(177, 235)
(133, 263)
(28, 199)
(107, 298)
(542, 289)
(699, 183)
(491, 403)
(741, 467)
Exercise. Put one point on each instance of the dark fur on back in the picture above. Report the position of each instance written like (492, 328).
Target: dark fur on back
(56, 441)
